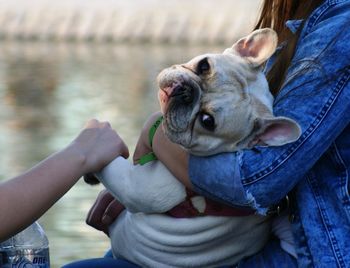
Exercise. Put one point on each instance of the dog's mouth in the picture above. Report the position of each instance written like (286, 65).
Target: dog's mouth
(178, 91)
(179, 100)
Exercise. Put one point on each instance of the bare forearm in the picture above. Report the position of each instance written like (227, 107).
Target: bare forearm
(26, 197)
(173, 157)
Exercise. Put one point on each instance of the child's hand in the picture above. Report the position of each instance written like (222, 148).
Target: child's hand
(143, 147)
(98, 144)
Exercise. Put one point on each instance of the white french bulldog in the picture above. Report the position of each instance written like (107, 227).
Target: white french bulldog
(213, 103)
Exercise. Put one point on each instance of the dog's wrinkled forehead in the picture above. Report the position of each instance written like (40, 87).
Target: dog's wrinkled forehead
(219, 72)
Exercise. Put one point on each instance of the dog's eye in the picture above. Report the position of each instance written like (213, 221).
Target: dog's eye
(207, 121)
(203, 66)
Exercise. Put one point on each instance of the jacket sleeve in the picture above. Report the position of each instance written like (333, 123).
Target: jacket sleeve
(317, 95)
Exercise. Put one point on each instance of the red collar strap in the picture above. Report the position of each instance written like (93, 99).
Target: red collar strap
(212, 208)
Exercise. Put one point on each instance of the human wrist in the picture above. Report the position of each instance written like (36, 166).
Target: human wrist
(76, 157)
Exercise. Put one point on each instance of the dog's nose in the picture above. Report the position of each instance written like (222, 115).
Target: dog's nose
(182, 93)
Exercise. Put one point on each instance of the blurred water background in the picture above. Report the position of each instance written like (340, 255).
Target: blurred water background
(63, 63)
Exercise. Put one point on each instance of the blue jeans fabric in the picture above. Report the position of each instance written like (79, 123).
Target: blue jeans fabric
(106, 262)
(272, 256)
(315, 168)
(101, 263)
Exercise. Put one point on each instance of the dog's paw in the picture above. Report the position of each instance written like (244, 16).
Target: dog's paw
(91, 179)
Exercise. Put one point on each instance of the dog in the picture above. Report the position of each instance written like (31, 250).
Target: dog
(214, 103)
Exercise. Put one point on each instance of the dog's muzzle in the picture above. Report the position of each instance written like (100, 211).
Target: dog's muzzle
(182, 107)
(182, 93)
(179, 92)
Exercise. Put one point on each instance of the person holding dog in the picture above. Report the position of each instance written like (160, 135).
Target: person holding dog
(28, 196)
(309, 77)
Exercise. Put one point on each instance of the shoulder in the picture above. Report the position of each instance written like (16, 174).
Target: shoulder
(323, 41)
(329, 18)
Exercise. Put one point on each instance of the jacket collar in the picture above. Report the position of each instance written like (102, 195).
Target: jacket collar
(293, 25)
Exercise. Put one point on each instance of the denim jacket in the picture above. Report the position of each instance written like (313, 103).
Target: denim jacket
(315, 169)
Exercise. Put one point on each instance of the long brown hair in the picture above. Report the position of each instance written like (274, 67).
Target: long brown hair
(274, 14)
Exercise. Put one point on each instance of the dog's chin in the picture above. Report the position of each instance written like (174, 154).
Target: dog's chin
(179, 117)
(181, 136)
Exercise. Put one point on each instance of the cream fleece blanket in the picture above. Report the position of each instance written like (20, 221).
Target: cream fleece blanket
(145, 236)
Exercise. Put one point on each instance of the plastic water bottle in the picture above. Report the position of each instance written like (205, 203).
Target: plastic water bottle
(27, 249)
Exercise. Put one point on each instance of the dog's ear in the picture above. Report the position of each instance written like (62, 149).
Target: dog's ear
(257, 47)
(275, 131)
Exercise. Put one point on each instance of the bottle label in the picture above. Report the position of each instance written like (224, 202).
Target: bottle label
(25, 259)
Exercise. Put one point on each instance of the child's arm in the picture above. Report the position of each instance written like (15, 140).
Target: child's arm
(29, 195)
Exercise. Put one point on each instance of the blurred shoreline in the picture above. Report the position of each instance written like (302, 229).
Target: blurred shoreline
(141, 21)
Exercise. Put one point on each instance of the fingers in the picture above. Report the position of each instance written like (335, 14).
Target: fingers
(124, 151)
(94, 123)
(99, 144)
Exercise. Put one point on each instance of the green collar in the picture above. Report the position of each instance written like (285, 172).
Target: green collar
(151, 156)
